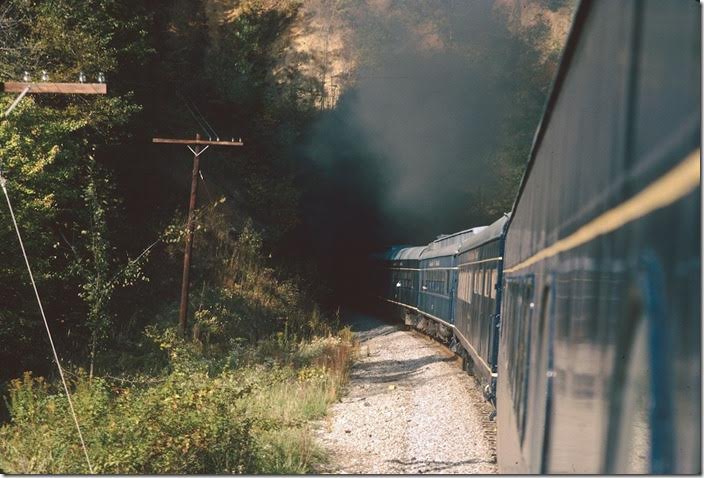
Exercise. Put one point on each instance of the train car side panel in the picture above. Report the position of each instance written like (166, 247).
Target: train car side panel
(606, 234)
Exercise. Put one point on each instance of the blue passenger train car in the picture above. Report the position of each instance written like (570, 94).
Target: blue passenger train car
(403, 266)
(478, 301)
(599, 356)
(438, 276)
(379, 266)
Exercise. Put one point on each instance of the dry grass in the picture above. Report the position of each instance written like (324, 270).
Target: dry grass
(316, 374)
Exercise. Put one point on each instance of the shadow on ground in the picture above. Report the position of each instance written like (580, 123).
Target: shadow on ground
(431, 466)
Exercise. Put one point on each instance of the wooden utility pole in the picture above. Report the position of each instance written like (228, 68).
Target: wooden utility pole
(190, 223)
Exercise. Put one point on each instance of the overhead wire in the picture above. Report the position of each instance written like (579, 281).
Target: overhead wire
(46, 323)
(205, 184)
(193, 114)
(199, 117)
(200, 123)
(217, 136)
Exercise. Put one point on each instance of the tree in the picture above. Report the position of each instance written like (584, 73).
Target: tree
(47, 155)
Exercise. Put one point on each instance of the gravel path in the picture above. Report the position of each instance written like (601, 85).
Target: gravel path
(409, 409)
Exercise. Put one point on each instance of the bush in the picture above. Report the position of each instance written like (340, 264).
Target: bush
(246, 412)
(193, 424)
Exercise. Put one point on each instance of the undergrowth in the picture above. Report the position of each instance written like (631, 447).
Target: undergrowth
(238, 395)
(247, 413)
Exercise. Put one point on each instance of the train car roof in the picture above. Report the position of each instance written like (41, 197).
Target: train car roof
(385, 254)
(450, 244)
(490, 233)
(388, 254)
(409, 253)
(399, 252)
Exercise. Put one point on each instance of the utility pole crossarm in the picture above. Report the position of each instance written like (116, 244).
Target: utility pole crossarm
(197, 142)
(62, 88)
(24, 88)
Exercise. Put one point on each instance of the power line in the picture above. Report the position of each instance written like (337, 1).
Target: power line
(199, 117)
(207, 190)
(193, 114)
(217, 136)
(46, 323)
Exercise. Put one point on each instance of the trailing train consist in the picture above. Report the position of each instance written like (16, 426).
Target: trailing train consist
(579, 312)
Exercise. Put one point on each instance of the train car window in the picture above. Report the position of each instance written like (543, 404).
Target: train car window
(465, 286)
(519, 321)
(462, 279)
(494, 274)
(643, 436)
(460, 283)
(437, 282)
(403, 280)
(494, 282)
(487, 283)
(629, 433)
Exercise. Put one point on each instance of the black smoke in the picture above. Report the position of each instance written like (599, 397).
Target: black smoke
(417, 146)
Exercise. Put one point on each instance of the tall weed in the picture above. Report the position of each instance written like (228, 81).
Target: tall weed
(205, 416)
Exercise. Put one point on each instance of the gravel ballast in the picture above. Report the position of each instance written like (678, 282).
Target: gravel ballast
(409, 408)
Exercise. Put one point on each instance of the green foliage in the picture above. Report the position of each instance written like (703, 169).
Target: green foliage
(62, 196)
(240, 295)
(193, 425)
(68, 36)
(242, 419)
